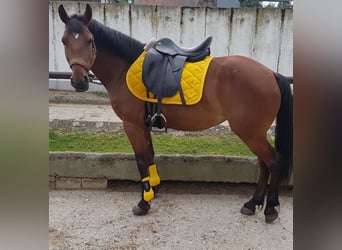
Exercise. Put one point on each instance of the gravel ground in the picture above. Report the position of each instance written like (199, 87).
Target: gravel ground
(183, 216)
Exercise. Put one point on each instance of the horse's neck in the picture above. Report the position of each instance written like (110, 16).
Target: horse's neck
(110, 70)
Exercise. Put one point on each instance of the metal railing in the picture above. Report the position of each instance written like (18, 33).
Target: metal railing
(67, 75)
(93, 79)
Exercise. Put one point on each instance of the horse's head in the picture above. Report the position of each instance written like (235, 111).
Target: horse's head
(79, 46)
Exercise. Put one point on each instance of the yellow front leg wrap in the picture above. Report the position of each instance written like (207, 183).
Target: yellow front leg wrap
(148, 193)
(154, 177)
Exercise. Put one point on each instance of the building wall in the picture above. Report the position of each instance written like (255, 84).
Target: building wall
(265, 34)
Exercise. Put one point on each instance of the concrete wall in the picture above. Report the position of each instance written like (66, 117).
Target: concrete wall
(74, 167)
(180, 168)
(265, 34)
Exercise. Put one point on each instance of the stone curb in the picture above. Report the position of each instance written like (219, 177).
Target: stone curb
(72, 169)
(77, 98)
(86, 125)
(218, 130)
(75, 170)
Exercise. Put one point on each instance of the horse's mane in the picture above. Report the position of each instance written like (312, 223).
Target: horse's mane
(109, 39)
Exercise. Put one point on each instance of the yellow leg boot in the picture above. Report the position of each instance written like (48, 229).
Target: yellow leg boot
(148, 193)
(154, 177)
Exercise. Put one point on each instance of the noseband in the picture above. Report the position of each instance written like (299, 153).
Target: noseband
(80, 61)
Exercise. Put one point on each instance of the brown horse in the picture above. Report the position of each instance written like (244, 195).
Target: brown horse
(237, 89)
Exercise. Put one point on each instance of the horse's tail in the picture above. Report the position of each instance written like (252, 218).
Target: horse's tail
(284, 128)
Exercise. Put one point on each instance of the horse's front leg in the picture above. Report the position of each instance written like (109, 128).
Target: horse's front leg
(140, 138)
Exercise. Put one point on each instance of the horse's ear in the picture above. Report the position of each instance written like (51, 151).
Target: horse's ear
(87, 14)
(62, 14)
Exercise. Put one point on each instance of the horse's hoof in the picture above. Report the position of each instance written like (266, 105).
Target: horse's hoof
(271, 214)
(138, 211)
(142, 208)
(246, 211)
(271, 217)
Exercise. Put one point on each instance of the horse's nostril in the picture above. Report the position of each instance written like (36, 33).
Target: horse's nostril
(86, 78)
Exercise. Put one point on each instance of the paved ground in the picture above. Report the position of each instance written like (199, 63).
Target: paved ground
(80, 106)
(82, 112)
(183, 216)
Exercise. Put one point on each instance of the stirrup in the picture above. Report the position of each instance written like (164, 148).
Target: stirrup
(161, 123)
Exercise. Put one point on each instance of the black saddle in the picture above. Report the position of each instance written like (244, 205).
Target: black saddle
(163, 67)
(194, 54)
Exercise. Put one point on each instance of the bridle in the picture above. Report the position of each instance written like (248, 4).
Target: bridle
(80, 61)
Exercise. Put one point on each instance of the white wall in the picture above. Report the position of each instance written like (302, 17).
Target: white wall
(265, 34)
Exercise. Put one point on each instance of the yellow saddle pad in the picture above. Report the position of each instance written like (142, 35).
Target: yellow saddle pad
(192, 81)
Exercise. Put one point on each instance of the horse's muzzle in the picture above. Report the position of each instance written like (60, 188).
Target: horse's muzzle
(80, 85)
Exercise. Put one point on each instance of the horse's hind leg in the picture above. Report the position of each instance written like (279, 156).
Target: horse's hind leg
(259, 195)
(272, 203)
(140, 138)
(270, 164)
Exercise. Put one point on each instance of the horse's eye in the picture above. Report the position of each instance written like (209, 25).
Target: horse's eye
(91, 40)
(64, 42)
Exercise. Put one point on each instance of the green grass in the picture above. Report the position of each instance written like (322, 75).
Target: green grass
(101, 94)
(115, 142)
(88, 142)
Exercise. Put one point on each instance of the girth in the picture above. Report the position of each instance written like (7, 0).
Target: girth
(162, 71)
